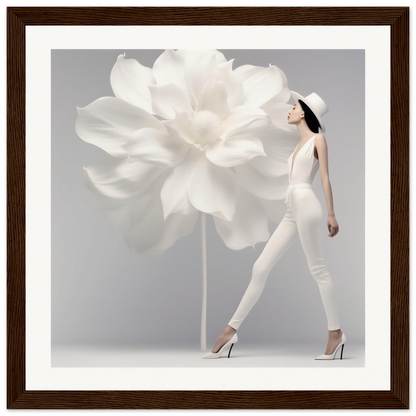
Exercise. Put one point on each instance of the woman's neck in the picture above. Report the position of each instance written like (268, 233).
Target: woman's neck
(304, 131)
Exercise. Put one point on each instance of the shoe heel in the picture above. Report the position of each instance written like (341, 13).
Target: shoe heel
(229, 352)
(342, 350)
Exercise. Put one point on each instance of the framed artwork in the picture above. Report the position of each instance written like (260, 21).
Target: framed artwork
(108, 313)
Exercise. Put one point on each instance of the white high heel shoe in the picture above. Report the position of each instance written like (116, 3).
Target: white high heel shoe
(217, 354)
(332, 356)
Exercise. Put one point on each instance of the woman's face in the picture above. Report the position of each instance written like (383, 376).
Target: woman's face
(295, 114)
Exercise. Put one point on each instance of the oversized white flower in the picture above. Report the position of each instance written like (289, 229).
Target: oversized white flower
(190, 134)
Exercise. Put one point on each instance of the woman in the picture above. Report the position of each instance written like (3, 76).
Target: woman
(303, 218)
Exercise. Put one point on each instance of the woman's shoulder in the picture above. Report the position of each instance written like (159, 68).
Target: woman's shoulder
(320, 137)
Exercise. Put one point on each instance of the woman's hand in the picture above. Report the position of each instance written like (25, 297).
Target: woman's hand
(333, 227)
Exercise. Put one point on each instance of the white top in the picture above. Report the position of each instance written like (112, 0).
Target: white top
(304, 165)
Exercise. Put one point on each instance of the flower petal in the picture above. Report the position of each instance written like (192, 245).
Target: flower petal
(259, 185)
(213, 97)
(240, 118)
(181, 124)
(237, 149)
(116, 182)
(278, 112)
(175, 227)
(278, 145)
(260, 84)
(148, 233)
(168, 98)
(284, 94)
(200, 66)
(129, 80)
(235, 89)
(174, 193)
(169, 68)
(156, 147)
(109, 121)
(249, 225)
(212, 189)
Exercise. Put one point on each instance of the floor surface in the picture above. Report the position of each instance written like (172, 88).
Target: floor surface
(242, 355)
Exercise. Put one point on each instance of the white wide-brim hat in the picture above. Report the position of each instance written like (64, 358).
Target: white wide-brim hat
(315, 103)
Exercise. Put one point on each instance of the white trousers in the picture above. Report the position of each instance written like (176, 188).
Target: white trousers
(303, 218)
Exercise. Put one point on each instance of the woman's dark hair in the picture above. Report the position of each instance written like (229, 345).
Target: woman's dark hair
(310, 117)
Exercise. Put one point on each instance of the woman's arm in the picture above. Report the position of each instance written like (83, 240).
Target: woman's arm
(322, 150)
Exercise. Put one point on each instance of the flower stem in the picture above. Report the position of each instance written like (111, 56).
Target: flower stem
(204, 283)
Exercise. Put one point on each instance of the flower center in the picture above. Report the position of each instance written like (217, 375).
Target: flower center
(205, 127)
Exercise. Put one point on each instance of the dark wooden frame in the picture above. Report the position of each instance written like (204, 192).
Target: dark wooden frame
(398, 20)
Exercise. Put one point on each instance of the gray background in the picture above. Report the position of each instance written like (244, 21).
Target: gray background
(105, 295)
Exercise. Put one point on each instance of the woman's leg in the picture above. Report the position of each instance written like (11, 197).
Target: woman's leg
(309, 214)
(282, 238)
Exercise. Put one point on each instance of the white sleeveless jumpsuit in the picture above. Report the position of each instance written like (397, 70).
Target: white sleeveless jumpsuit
(303, 218)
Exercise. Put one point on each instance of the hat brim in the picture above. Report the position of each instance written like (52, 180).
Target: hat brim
(296, 96)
